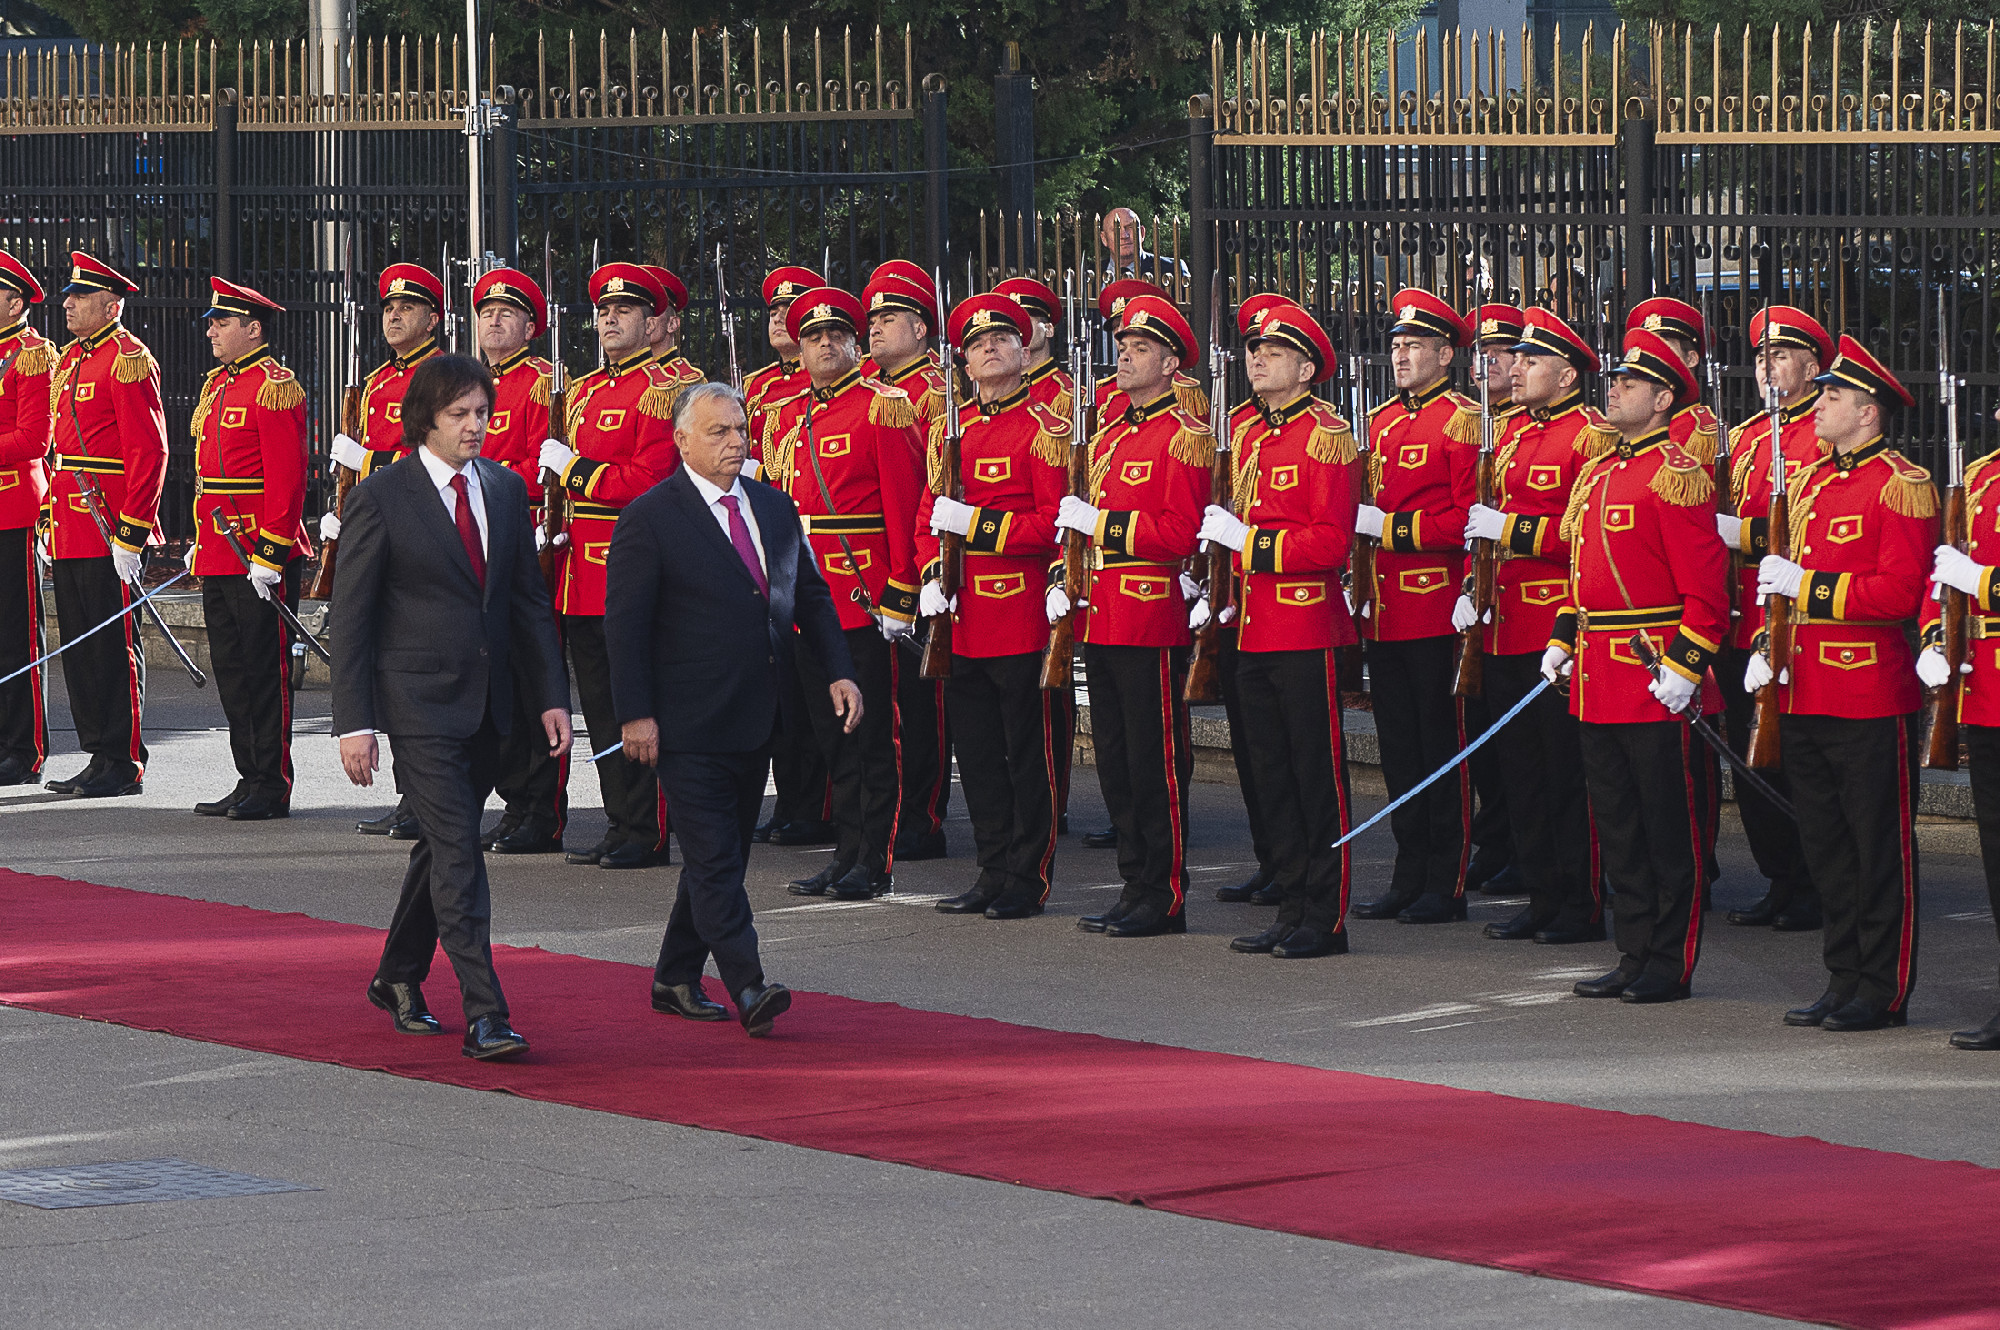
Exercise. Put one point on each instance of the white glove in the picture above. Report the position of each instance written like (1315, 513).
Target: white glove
(1730, 529)
(1464, 614)
(1757, 673)
(752, 468)
(555, 456)
(262, 579)
(541, 537)
(1190, 589)
(329, 527)
(1933, 668)
(893, 628)
(187, 560)
(1198, 617)
(1228, 616)
(1077, 515)
(1368, 521)
(346, 452)
(932, 601)
(1673, 689)
(126, 563)
(1958, 572)
(949, 515)
(1779, 577)
(1057, 603)
(1556, 664)
(1483, 523)
(1223, 527)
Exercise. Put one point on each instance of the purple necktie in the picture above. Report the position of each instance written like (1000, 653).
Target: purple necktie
(739, 536)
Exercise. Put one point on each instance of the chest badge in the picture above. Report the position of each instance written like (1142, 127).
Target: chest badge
(85, 391)
(1618, 517)
(1412, 455)
(497, 423)
(1544, 477)
(609, 419)
(999, 586)
(393, 413)
(1843, 529)
(1136, 473)
(234, 416)
(1284, 477)
(993, 470)
(836, 445)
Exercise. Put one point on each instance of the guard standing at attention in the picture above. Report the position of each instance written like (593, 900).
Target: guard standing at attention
(1111, 302)
(1694, 428)
(510, 310)
(1291, 526)
(1864, 528)
(110, 455)
(1644, 559)
(621, 444)
(663, 331)
(1536, 462)
(1423, 459)
(781, 378)
(1149, 481)
(249, 432)
(27, 359)
(1014, 471)
(850, 455)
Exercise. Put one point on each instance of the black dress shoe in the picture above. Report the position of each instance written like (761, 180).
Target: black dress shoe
(762, 835)
(1260, 944)
(1827, 1004)
(803, 833)
(1385, 907)
(967, 902)
(1861, 1014)
(1801, 916)
(689, 1001)
(527, 838)
(1651, 988)
(1985, 1039)
(760, 1004)
(1562, 935)
(1506, 882)
(1097, 923)
(632, 854)
(509, 823)
(589, 856)
(1758, 915)
(258, 808)
(220, 807)
(406, 829)
(1431, 908)
(1147, 921)
(1520, 927)
(381, 826)
(1013, 909)
(921, 845)
(1605, 985)
(1271, 894)
(1244, 891)
(74, 783)
(817, 884)
(491, 1039)
(861, 884)
(405, 1005)
(1306, 943)
(1106, 839)
(1482, 870)
(16, 771)
(109, 785)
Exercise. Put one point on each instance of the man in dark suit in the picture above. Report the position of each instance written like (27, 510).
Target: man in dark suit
(708, 595)
(437, 591)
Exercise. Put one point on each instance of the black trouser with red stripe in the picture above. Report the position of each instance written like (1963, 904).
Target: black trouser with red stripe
(1003, 725)
(1239, 748)
(105, 675)
(1773, 837)
(1649, 798)
(1854, 787)
(1417, 726)
(250, 654)
(534, 782)
(1290, 703)
(925, 739)
(1539, 752)
(24, 717)
(1139, 731)
(1492, 830)
(632, 801)
(865, 765)
(1983, 744)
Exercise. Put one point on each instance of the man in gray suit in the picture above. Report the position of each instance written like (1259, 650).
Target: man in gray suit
(436, 592)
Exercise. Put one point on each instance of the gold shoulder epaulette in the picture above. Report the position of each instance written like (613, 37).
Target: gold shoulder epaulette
(541, 393)
(892, 407)
(1700, 445)
(1189, 395)
(35, 359)
(1193, 444)
(687, 373)
(1064, 404)
(658, 399)
(134, 363)
(1909, 490)
(1596, 440)
(281, 390)
(1052, 438)
(1332, 442)
(1463, 427)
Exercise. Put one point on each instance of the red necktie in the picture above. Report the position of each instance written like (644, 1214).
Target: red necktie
(468, 530)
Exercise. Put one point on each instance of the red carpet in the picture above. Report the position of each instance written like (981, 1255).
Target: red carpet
(1789, 1227)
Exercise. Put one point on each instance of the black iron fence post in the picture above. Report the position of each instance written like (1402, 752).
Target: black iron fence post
(937, 174)
(1201, 228)
(504, 224)
(1636, 136)
(223, 225)
(1014, 136)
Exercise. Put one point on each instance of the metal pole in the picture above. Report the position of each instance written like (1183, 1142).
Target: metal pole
(937, 175)
(478, 116)
(1201, 228)
(224, 258)
(1014, 138)
(506, 228)
(1638, 144)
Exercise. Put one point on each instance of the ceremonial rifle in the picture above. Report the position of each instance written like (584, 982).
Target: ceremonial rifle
(1204, 677)
(450, 318)
(1058, 664)
(93, 499)
(350, 424)
(936, 662)
(1725, 502)
(1777, 609)
(555, 500)
(1485, 553)
(728, 321)
(1941, 733)
(1361, 564)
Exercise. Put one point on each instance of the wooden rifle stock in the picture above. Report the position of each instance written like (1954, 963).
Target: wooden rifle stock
(555, 502)
(350, 425)
(1778, 638)
(1204, 676)
(1058, 658)
(1941, 729)
(1471, 679)
(936, 660)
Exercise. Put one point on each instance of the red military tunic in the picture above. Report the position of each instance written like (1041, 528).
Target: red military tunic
(621, 426)
(1295, 486)
(1979, 690)
(1644, 557)
(382, 406)
(1150, 480)
(519, 424)
(1423, 470)
(777, 382)
(1535, 464)
(1013, 465)
(108, 424)
(1864, 526)
(249, 432)
(1750, 496)
(871, 456)
(27, 359)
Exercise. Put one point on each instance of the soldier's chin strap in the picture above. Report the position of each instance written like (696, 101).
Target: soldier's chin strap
(133, 608)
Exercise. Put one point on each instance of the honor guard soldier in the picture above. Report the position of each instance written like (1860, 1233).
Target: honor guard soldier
(249, 430)
(1111, 302)
(1149, 481)
(850, 455)
(1694, 428)
(1423, 458)
(1048, 383)
(510, 310)
(1013, 471)
(663, 331)
(1536, 462)
(902, 318)
(1792, 348)
(1864, 527)
(621, 444)
(1644, 560)
(110, 455)
(1291, 526)
(27, 359)
(781, 378)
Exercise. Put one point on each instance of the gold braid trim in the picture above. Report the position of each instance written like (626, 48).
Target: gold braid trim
(211, 387)
(1052, 449)
(1799, 502)
(1595, 441)
(779, 455)
(658, 401)
(1739, 472)
(1683, 487)
(1327, 444)
(1195, 447)
(892, 410)
(931, 405)
(1701, 446)
(1374, 471)
(1463, 427)
(36, 360)
(934, 457)
(1100, 467)
(132, 366)
(280, 394)
(1579, 495)
(1243, 479)
(539, 394)
(1910, 493)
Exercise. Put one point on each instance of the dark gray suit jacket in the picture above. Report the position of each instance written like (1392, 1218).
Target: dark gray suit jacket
(418, 648)
(693, 643)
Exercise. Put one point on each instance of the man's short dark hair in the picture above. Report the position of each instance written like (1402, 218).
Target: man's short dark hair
(438, 383)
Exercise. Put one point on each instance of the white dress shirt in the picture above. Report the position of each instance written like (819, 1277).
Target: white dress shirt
(442, 475)
(712, 496)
